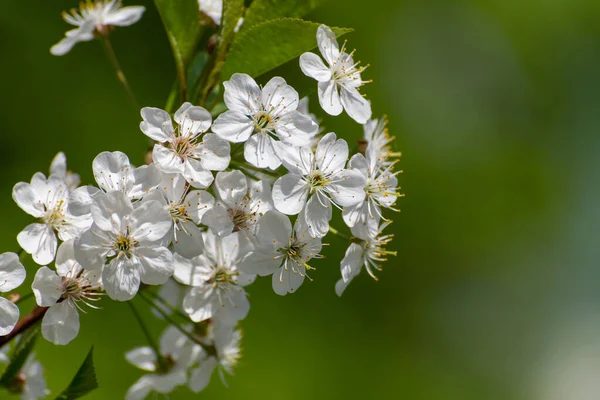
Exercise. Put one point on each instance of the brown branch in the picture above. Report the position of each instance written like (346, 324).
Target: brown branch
(24, 323)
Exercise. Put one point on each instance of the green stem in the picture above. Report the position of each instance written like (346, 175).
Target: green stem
(338, 233)
(253, 168)
(23, 298)
(149, 337)
(208, 349)
(165, 303)
(112, 57)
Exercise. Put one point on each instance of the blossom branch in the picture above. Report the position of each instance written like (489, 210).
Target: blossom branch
(24, 323)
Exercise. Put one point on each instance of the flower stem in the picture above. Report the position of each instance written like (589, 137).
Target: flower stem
(24, 323)
(110, 53)
(207, 348)
(168, 305)
(253, 168)
(338, 233)
(147, 334)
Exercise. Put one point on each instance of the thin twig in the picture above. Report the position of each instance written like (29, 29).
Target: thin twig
(24, 323)
(112, 57)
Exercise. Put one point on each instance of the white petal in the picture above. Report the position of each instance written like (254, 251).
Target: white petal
(296, 129)
(353, 214)
(28, 199)
(61, 323)
(352, 262)
(150, 222)
(191, 272)
(201, 303)
(188, 241)
(146, 177)
(157, 265)
(47, 287)
(327, 43)
(141, 388)
(192, 119)
(287, 280)
(318, 215)
(39, 240)
(260, 262)
(312, 65)
(290, 193)
(58, 166)
(348, 187)
(279, 97)
(80, 199)
(125, 16)
(329, 98)
(113, 171)
(12, 272)
(340, 286)
(234, 126)
(332, 154)
(167, 160)
(198, 203)
(274, 230)
(262, 151)
(196, 174)
(109, 209)
(121, 279)
(154, 123)
(142, 357)
(214, 152)
(200, 377)
(298, 160)
(231, 187)
(357, 107)
(218, 220)
(89, 250)
(242, 94)
(9, 315)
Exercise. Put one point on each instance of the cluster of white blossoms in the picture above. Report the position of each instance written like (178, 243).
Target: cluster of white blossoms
(252, 193)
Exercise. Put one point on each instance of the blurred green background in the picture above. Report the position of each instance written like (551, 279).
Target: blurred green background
(494, 292)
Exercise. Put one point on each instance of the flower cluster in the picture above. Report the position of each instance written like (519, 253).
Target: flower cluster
(252, 193)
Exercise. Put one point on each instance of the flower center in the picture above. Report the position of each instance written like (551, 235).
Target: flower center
(263, 121)
(124, 243)
(223, 276)
(240, 218)
(178, 212)
(317, 181)
(184, 146)
(55, 216)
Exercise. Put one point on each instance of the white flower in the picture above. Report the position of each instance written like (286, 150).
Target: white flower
(377, 137)
(282, 252)
(30, 382)
(212, 8)
(113, 172)
(227, 341)
(180, 150)
(58, 167)
(322, 176)
(339, 82)
(217, 283)
(381, 191)
(240, 204)
(178, 353)
(95, 16)
(12, 275)
(125, 244)
(47, 200)
(62, 291)
(262, 118)
(368, 253)
(186, 209)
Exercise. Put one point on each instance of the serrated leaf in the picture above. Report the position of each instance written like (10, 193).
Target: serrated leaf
(22, 350)
(84, 381)
(270, 44)
(266, 10)
(181, 19)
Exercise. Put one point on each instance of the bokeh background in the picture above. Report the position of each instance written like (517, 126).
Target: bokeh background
(495, 292)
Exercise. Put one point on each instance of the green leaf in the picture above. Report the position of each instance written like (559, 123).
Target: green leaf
(22, 350)
(266, 10)
(84, 381)
(181, 19)
(270, 44)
